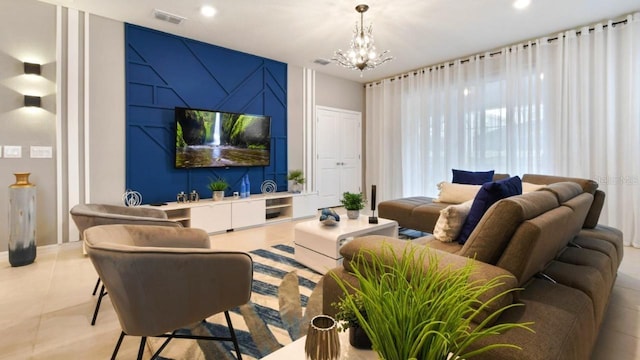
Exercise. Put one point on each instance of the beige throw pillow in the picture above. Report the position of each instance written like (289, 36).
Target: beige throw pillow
(456, 193)
(451, 220)
(529, 187)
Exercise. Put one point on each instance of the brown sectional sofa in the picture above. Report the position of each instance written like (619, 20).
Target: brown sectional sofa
(566, 271)
(421, 213)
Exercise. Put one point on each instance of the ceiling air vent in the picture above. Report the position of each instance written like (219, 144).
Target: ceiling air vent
(168, 17)
(321, 61)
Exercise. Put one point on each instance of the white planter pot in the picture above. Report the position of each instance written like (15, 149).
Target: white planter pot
(218, 195)
(353, 214)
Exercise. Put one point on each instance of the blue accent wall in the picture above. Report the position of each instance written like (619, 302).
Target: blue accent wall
(164, 71)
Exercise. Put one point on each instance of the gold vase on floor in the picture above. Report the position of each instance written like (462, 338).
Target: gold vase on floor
(22, 221)
(322, 341)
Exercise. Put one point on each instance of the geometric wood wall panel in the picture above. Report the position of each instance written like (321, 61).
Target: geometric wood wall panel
(164, 71)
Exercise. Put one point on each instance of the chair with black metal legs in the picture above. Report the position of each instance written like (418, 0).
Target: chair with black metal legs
(162, 279)
(89, 215)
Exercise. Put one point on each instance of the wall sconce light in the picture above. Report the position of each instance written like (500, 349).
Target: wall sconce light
(31, 68)
(32, 100)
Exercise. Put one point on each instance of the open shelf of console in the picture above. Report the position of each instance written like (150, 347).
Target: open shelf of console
(236, 213)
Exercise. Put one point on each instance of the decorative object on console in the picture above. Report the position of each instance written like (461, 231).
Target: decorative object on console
(329, 217)
(373, 219)
(245, 187)
(268, 187)
(353, 202)
(322, 341)
(472, 177)
(22, 221)
(297, 180)
(181, 197)
(194, 196)
(132, 198)
(362, 54)
(488, 194)
(218, 187)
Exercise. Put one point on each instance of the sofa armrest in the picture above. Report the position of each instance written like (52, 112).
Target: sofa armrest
(379, 245)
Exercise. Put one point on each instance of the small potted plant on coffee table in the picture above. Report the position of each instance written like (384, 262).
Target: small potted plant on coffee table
(218, 187)
(353, 202)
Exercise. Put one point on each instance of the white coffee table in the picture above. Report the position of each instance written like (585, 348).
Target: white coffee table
(318, 246)
(295, 351)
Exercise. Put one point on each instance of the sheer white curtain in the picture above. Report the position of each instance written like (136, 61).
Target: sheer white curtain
(567, 107)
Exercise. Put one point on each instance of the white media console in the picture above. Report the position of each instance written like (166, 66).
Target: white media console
(231, 213)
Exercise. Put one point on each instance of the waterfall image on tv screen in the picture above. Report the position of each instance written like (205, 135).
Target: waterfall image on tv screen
(206, 138)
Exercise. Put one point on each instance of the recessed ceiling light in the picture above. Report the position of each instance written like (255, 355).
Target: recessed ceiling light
(521, 4)
(208, 11)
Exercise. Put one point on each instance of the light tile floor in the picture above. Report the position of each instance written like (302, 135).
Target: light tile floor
(46, 307)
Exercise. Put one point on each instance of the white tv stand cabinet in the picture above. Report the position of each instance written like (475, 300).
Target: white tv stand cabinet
(230, 214)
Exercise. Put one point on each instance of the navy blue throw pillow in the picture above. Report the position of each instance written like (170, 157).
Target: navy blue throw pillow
(488, 195)
(471, 177)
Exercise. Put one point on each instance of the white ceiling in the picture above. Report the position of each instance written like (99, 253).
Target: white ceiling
(418, 32)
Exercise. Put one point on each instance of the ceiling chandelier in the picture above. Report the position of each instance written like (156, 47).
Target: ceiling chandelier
(362, 54)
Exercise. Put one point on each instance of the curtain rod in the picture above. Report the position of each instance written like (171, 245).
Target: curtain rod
(481, 56)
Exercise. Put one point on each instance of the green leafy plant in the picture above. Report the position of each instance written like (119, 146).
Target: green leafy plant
(219, 184)
(352, 201)
(346, 315)
(296, 176)
(412, 309)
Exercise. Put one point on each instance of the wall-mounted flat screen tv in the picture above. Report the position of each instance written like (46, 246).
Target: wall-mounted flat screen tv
(207, 138)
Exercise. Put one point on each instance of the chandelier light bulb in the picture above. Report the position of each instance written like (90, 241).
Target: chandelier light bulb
(362, 54)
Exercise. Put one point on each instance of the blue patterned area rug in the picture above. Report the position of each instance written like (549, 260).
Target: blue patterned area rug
(286, 295)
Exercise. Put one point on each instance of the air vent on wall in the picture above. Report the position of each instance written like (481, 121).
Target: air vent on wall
(321, 61)
(168, 17)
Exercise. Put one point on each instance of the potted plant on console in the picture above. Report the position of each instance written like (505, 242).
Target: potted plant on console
(218, 187)
(297, 180)
(353, 203)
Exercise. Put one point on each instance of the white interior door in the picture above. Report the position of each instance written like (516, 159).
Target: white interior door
(350, 148)
(338, 154)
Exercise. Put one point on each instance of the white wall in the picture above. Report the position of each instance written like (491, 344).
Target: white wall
(28, 33)
(339, 93)
(107, 111)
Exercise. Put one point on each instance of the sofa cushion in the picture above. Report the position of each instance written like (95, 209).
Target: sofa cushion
(606, 233)
(587, 185)
(537, 242)
(490, 238)
(453, 193)
(451, 220)
(488, 194)
(529, 187)
(418, 212)
(596, 208)
(472, 177)
(564, 325)
(564, 190)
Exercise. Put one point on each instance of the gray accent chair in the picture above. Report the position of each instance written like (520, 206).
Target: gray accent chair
(89, 215)
(162, 279)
